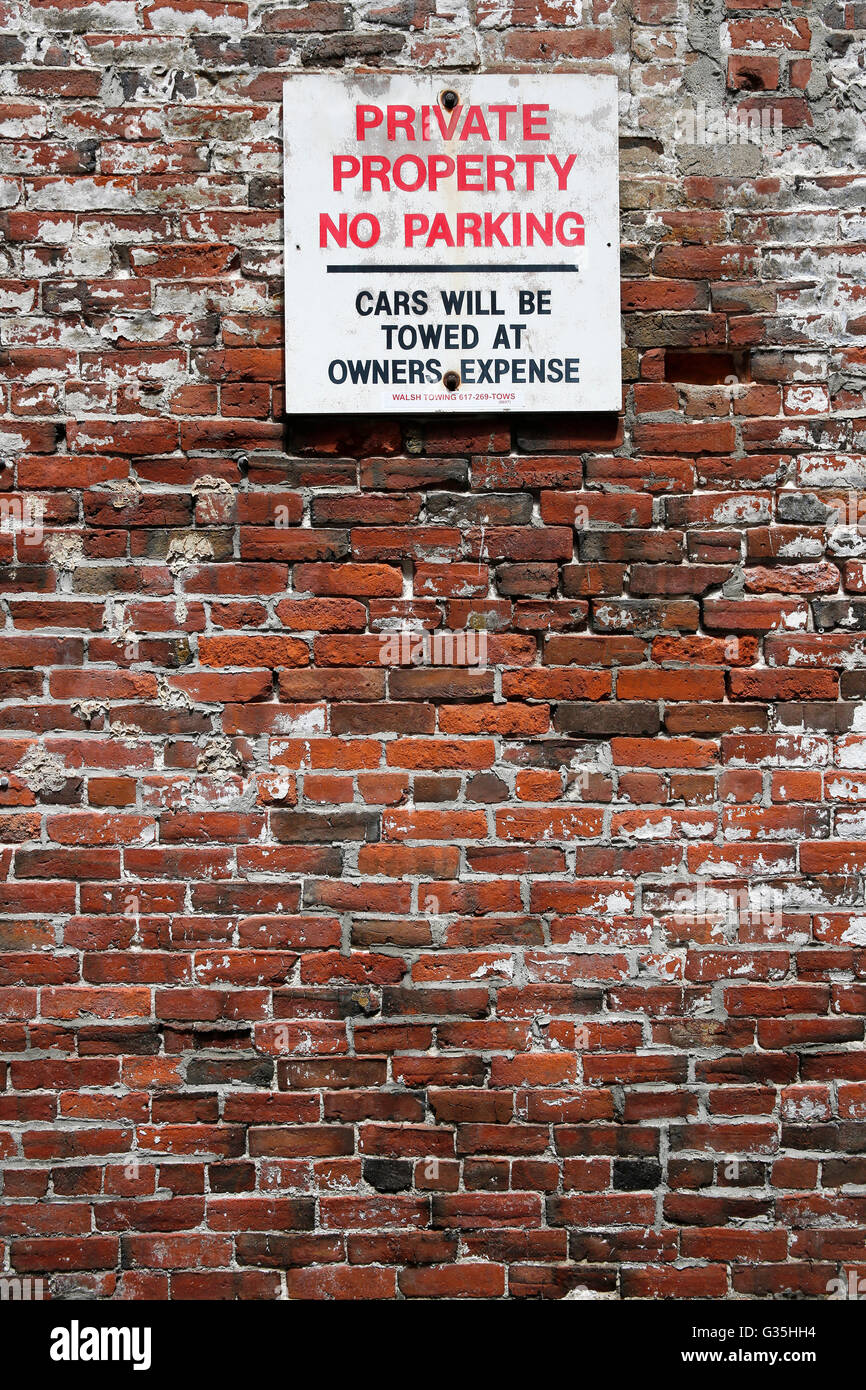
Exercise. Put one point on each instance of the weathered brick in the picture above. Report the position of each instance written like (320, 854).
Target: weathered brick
(407, 977)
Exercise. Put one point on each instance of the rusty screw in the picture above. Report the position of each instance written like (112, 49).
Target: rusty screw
(451, 381)
(449, 99)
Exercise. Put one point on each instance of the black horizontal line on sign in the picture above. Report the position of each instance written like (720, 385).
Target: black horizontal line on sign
(435, 269)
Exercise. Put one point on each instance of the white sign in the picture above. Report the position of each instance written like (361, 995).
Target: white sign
(452, 243)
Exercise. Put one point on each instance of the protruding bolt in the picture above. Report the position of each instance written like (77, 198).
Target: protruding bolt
(451, 381)
(449, 99)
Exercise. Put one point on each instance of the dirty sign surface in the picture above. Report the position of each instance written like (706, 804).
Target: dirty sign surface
(452, 243)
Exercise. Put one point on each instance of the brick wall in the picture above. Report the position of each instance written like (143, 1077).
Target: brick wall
(329, 976)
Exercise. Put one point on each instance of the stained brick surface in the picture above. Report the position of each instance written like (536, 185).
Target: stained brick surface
(329, 975)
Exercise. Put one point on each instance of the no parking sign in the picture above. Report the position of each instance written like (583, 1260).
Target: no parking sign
(451, 243)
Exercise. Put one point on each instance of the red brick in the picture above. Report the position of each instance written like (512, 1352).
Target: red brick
(391, 973)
